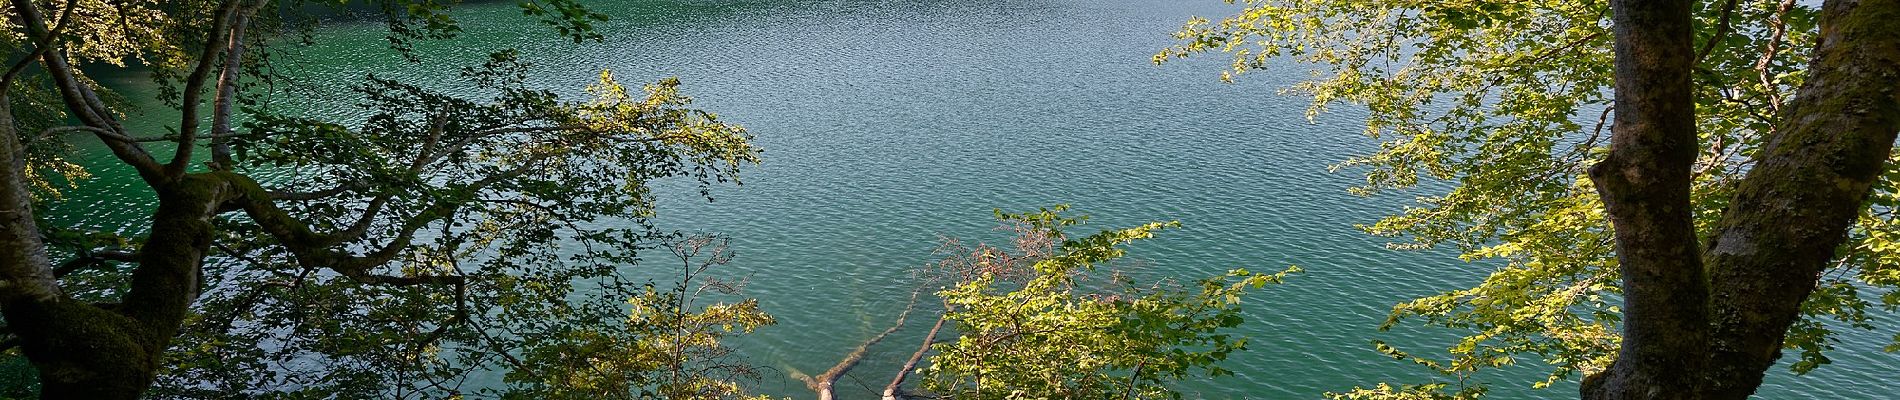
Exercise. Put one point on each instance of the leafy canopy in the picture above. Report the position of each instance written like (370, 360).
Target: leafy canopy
(1033, 324)
(440, 237)
(1489, 112)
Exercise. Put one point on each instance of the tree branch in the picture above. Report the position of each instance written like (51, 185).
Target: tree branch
(84, 104)
(221, 28)
(315, 249)
(91, 259)
(57, 129)
(1780, 28)
(892, 390)
(317, 195)
(44, 45)
(823, 383)
(1808, 185)
(1721, 29)
(227, 89)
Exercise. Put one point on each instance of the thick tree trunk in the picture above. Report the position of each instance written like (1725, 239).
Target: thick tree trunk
(1644, 183)
(1687, 339)
(25, 272)
(81, 351)
(1808, 184)
(85, 351)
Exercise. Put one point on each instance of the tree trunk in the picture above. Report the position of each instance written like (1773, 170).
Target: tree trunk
(1644, 183)
(1687, 339)
(83, 351)
(25, 272)
(80, 351)
(1809, 183)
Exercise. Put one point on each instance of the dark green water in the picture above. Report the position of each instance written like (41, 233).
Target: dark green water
(890, 123)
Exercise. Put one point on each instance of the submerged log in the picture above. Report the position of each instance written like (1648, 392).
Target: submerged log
(823, 383)
(892, 390)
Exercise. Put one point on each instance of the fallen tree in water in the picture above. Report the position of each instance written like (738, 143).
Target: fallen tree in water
(1033, 311)
(896, 388)
(823, 383)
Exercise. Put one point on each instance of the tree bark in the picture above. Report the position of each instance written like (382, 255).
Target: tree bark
(1808, 184)
(1687, 336)
(87, 352)
(25, 272)
(1644, 183)
(83, 351)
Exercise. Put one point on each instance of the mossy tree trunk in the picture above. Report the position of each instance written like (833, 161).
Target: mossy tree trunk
(102, 351)
(114, 351)
(1706, 321)
(1809, 183)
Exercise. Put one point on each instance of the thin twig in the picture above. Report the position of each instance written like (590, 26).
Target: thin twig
(1721, 30)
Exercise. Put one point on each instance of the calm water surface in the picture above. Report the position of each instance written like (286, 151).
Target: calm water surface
(889, 124)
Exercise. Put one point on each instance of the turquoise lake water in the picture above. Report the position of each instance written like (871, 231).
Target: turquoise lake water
(890, 124)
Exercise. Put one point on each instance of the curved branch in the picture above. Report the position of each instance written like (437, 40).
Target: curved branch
(44, 45)
(83, 103)
(93, 259)
(194, 85)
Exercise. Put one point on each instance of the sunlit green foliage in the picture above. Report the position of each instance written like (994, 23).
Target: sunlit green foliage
(1490, 112)
(668, 347)
(111, 32)
(1034, 325)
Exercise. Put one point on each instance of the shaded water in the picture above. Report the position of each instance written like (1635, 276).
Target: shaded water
(889, 123)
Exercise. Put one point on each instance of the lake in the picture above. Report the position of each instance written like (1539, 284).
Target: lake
(890, 124)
